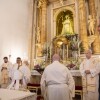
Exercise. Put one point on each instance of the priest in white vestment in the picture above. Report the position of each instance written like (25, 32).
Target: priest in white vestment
(57, 82)
(89, 69)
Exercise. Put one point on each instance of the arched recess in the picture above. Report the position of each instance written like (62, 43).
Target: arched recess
(56, 14)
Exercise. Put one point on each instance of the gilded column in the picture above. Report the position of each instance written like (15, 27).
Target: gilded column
(92, 11)
(43, 22)
(82, 24)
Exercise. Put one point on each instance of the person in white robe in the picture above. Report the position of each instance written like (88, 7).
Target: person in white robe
(16, 66)
(57, 82)
(26, 73)
(16, 83)
(6, 69)
(89, 69)
(16, 75)
(21, 73)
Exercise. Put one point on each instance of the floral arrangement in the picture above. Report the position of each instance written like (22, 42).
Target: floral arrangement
(37, 66)
(74, 64)
(71, 65)
(39, 63)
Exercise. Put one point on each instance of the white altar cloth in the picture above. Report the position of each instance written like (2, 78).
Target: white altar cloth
(75, 72)
(6, 94)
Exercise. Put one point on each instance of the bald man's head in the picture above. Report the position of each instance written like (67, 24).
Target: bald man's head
(56, 57)
(88, 54)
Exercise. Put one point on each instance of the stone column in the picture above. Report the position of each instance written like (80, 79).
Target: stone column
(82, 24)
(32, 25)
(92, 11)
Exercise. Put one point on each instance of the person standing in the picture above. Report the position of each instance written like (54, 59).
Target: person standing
(26, 73)
(6, 71)
(57, 82)
(17, 65)
(17, 75)
(89, 69)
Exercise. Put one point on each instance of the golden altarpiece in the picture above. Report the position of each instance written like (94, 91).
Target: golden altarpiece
(58, 23)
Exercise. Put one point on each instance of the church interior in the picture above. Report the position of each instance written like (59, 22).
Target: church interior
(35, 30)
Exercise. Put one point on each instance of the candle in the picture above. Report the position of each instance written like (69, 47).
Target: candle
(63, 51)
(67, 51)
(79, 52)
(47, 51)
(50, 51)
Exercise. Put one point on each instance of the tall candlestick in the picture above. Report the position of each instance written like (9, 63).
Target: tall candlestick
(63, 51)
(67, 51)
(47, 51)
(50, 51)
(79, 52)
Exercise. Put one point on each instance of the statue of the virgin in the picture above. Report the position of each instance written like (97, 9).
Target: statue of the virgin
(67, 26)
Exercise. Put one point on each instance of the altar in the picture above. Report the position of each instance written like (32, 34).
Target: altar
(36, 77)
(58, 27)
(6, 94)
(75, 73)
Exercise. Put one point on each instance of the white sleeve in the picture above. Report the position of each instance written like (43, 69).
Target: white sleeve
(10, 69)
(43, 84)
(71, 84)
(82, 70)
(96, 70)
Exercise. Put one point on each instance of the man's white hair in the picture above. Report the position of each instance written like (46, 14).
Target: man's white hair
(89, 50)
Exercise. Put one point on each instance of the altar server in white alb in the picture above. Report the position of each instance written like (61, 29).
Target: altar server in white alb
(89, 69)
(57, 82)
(21, 75)
(26, 73)
(17, 75)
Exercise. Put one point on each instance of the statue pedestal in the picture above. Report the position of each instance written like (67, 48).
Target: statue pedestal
(91, 40)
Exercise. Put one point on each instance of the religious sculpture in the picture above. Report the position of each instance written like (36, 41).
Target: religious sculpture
(91, 39)
(91, 25)
(67, 26)
(40, 3)
(61, 2)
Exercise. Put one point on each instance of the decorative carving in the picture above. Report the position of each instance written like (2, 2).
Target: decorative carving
(82, 24)
(96, 43)
(61, 2)
(91, 25)
(91, 40)
(40, 2)
(38, 35)
(39, 48)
